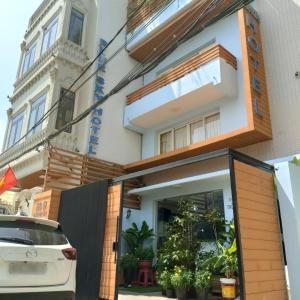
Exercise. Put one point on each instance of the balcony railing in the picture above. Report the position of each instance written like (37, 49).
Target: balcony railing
(64, 141)
(148, 10)
(205, 56)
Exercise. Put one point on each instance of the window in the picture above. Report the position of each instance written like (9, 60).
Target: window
(49, 35)
(29, 58)
(180, 137)
(15, 129)
(76, 26)
(204, 202)
(166, 142)
(212, 125)
(65, 109)
(190, 133)
(36, 113)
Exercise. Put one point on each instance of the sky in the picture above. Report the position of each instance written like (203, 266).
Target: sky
(14, 17)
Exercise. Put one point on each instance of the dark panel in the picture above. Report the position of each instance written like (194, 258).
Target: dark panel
(82, 216)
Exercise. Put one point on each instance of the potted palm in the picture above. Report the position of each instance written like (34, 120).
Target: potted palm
(202, 284)
(145, 256)
(181, 280)
(129, 265)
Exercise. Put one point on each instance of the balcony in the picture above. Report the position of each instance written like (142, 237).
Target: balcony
(204, 78)
(160, 23)
(65, 141)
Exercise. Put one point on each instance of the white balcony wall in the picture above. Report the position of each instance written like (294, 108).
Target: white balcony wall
(233, 114)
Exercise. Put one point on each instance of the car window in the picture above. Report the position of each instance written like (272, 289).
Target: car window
(37, 233)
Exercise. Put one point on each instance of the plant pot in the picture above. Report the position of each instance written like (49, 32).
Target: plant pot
(216, 284)
(228, 288)
(181, 294)
(202, 294)
(192, 293)
(128, 276)
(170, 293)
(145, 264)
(163, 292)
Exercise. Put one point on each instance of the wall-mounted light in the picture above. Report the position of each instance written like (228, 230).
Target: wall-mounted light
(128, 213)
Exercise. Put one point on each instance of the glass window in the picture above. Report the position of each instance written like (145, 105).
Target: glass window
(197, 132)
(65, 109)
(36, 113)
(76, 26)
(15, 129)
(212, 125)
(31, 233)
(29, 58)
(180, 137)
(166, 142)
(49, 35)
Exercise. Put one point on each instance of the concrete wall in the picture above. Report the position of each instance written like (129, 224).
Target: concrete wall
(233, 110)
(288, 178)
(280, 21)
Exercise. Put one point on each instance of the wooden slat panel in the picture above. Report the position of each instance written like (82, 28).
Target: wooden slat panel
(68, 169)
(216, 51)
(109, 262)
(264, 276)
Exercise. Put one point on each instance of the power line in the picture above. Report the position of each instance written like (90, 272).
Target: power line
(125, 81)
(66, 91)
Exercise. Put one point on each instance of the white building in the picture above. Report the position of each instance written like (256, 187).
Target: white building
(215, 90)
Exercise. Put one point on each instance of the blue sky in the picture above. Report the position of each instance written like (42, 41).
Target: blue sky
(14, 17)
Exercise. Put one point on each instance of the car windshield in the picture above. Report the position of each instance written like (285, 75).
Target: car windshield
(30, 233)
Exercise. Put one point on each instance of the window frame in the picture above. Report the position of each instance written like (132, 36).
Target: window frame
(19, 115)
(29, 52)
(188, 129)
(76, 10)
(38, 101)
(46, 28)
(68, 130)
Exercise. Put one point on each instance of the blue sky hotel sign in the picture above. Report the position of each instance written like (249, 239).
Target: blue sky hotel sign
(96, 117)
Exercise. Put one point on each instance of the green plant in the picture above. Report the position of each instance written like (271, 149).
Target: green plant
(226, 260)
(135, 237)
(181, 278)
(202, 279)
(164, 279)
(214, 217)
(182, 242)
(145, 253)
(129, 261)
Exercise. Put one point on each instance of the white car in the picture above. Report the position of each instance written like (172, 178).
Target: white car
(36, 260)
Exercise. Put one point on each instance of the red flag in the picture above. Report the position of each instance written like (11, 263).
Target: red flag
(9, 180)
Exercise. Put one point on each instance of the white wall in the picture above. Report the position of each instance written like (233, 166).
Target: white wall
(288, 178)
(232, 111)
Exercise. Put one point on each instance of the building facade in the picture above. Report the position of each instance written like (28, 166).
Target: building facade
(231, 83)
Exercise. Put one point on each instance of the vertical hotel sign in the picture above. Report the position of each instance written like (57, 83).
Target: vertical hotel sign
(95, 122)
(254, 70)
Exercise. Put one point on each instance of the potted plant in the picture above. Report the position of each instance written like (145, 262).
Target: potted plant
(164, 279)
(129, 265)
(227, 261)
(181, 280)
(145, 257)
(202, 284)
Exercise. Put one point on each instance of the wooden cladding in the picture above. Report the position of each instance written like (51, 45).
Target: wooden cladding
(254, 72)
(191, 64)
(144, 13)
(260, 238)
(46, 205)
(109, 257)
(68, 170)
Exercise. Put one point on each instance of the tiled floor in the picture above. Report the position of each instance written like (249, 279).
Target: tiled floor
(126, 295)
